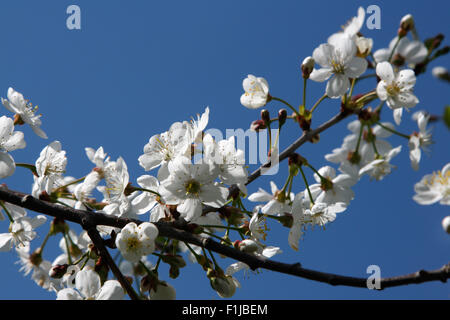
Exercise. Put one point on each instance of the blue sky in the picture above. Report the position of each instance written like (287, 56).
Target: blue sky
(135, 67)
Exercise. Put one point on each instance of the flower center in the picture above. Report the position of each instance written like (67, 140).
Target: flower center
(439, 178)
(192, 187)
(393, 89)
(337, 67)
(133, 244)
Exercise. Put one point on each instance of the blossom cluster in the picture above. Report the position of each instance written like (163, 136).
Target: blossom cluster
(202, 182)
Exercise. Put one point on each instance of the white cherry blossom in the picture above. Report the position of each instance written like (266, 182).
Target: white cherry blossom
(16, 103)
(337, 59)
(21, 232)
(191, 185)
(419, 140)
(277, 203)
(256, 92)
(434, 188)
(381, 166)
(135, 241)
(50, 167)
(396, 88)
(88, 285)
(411, 51)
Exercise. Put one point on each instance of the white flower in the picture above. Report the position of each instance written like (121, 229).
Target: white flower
(13, 210)
(354, 25)
(396, 88)
(40, 269)
(441, 73)
(257, 225)
(334, 189)
(277, 203)
(77, 246)
(322, 213)
(25, 110)
(165, 147)
(189, 185)
(343, 155)
(419, 140)
(411, 52)
(225, 286)
(21, 232)
(434, 187)
(380, 167)
(97, 157)
(262, 252)
(148, 201)
(351, 29)
(163, 291)
(50, 166)
(9, 140)
(135, 241)
(83, 190)
(197, 126)
(231, 162)
(337, 58)
(296, 232)
(446, 224)
(88, 285)
(256, 92)
(116, 178)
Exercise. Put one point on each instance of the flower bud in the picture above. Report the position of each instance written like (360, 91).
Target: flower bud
(446, 224)
(247, 246)
(58, 225)
(163, 291)
(58, 271)
(407, 23)
(224, 286)
(174, 260)
(265, 116)
(258, 125)
(145, 283)
(364, 46)
(282, 116)
(296, 159)
(441, 73)
(307, 67)
(174, 272)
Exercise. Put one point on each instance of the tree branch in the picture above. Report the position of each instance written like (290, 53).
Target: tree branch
(171, 230)
(306, 136)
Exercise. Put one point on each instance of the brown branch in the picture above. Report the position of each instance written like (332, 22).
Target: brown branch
(171, 230)
(98, 242)
(306, 136)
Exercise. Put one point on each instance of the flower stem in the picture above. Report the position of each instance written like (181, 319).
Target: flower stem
(146, 190)
(393, 49)
(160, 255)
(318, 102)
(394, 131)
(7, 212)
(66, 241)
(217, 237)
(304, 92)
(361, 127)
(287, 104)
(306, 184)
(31, 167)
(352, 87)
